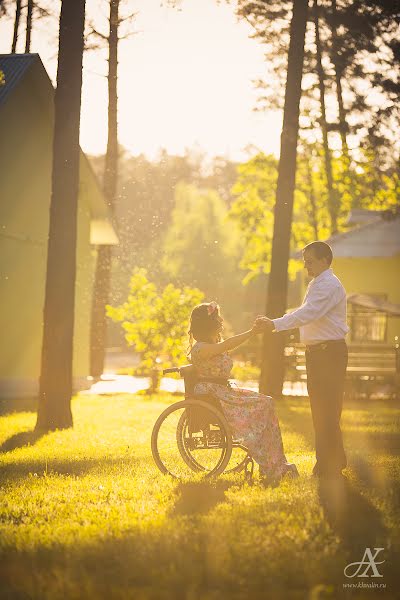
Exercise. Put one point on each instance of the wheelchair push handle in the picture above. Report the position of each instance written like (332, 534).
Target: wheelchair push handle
(172, 370)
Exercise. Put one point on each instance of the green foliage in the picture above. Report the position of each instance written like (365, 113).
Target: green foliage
(147, 198)
(201, 248)
(311, 197)
(156, 322)
(198, 246)
(365, 184)
(376, 185)
(253, 211)
(145, 202)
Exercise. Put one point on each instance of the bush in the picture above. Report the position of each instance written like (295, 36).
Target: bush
(156, 322)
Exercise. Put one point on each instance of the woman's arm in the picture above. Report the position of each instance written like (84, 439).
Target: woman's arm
(209, 350)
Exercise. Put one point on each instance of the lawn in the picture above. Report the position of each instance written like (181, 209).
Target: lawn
(86, 515)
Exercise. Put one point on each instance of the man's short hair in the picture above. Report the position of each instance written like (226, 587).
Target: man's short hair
(320, 250)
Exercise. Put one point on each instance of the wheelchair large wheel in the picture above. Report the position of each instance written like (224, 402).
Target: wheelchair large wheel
(236, 463)
(189, 437)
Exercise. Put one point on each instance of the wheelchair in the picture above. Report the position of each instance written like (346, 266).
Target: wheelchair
(193, 436)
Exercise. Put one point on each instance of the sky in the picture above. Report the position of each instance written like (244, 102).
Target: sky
(185, 81)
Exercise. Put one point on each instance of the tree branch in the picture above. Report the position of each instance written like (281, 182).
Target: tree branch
(93, 31)
(127, 18)
(129, 34)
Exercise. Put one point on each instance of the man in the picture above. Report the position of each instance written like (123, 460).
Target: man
(322, 323)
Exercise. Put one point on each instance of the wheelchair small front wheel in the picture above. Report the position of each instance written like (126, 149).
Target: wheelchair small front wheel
(189, 437)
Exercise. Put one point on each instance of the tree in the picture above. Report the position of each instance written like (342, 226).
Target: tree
(272, 366)
(33, 11)
(146, 196)
(200, 250)
(269, 19)
(18, 6)
(252, 211)
(156, 322)
(101, 288)
(336, 60)
(28, 26)
(255, 191)
(358, 48)
(310, 190)
(54, 409)
(102, 282)
(332, 197)
(364, 49)
(146, 200)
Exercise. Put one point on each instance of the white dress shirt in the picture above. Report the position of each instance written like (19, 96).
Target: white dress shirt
(322, 316)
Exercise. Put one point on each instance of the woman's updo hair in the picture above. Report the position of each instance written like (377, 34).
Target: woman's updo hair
(205, 322)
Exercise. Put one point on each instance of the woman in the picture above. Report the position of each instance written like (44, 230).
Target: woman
(251, 416)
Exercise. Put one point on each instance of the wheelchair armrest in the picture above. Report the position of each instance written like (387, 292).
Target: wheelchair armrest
(184, 371)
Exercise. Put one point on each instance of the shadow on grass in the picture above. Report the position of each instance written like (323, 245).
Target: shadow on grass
(349, 513)
(21, 439)
(199, 497)
(379, 441)
(378, 477)
(352, 517)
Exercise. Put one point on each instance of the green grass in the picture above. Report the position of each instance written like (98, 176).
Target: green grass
(86, 515)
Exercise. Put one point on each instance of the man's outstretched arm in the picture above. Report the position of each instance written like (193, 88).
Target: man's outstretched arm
(317, 304)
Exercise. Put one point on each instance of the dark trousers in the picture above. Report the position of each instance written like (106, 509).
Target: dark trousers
(326, 371)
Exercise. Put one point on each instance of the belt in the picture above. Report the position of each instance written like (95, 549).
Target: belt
(324, 345)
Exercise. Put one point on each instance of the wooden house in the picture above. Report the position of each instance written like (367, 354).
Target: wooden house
(26, 141)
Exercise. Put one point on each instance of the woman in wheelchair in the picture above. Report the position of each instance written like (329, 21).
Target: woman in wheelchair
(251, 415)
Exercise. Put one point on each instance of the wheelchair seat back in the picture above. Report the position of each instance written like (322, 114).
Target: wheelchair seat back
(199, 418)
(188, 372)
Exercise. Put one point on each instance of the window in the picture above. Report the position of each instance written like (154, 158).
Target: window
(367, 325)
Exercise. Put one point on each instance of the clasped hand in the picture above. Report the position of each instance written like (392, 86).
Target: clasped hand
(262, 325)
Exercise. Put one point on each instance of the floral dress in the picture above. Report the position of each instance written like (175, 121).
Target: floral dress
(251, 415)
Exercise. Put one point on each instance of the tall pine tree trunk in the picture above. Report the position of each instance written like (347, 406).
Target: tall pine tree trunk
(16, 25)
(272, 368)
(343, 127)
(348, 177)
(311, 196)
(54, 410)
(332, 197)
(29, 26)
(101, 288)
